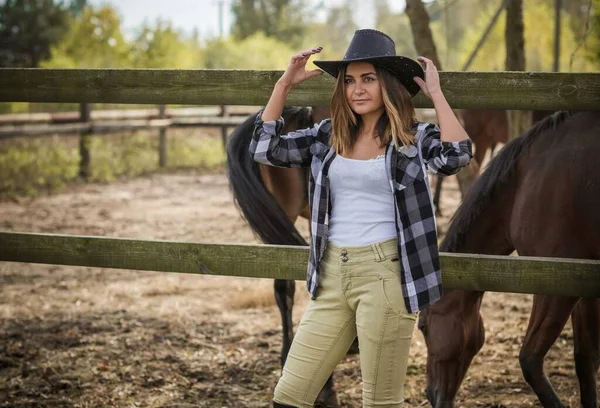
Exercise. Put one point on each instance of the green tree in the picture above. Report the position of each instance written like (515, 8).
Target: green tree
(340, 26)
(333, 34)
(538, 18)
(162, 46)
(95, 40)
(397, 26)
(29, 28)
(594, 53)
(284, 20)
(266, 53)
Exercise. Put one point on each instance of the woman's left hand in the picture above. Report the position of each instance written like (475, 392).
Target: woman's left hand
(431, 85)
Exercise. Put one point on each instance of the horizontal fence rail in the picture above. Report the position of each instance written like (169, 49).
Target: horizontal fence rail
(474, 90)
(544, 276)
(12, 131)
(14, 119)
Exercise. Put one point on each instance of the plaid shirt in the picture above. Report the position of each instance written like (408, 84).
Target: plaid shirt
(415, 219)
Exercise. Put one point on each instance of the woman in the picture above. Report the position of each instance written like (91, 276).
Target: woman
(374, 259)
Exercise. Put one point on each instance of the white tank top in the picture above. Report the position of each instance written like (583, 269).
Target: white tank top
(362, 203)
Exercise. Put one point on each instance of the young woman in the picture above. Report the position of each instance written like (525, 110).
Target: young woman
(374, 259)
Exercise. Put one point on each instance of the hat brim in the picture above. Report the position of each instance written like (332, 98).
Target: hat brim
(404, 68)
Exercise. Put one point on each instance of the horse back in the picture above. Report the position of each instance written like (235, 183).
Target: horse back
(556, 206)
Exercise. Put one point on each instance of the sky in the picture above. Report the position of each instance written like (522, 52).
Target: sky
(204, 14)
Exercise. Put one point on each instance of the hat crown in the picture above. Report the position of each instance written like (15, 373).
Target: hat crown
(368, 43)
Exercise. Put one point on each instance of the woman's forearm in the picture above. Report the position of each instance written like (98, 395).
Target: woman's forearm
(276, 102)
(450, 127)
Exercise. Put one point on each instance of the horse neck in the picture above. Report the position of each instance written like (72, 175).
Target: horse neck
(489, 233)
(483, 226)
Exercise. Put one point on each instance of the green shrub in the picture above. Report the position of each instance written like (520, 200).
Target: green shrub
(29, 166)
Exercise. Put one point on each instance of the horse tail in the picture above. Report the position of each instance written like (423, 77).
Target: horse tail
(257, 205)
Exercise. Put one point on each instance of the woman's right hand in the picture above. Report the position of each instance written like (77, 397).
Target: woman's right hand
(296, 72)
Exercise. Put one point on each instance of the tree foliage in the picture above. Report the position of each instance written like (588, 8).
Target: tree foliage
(95, 40)
(162, 46)
(29, 28)
(539, 40)
(284, 20)
(594, 52)
(254, 52)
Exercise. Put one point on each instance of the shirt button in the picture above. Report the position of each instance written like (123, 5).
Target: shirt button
(344, 252)
(344, 258)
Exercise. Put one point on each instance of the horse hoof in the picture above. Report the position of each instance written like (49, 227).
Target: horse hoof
(354, 347)
(327, 399)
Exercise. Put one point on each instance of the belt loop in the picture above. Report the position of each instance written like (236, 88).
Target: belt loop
(378, 252)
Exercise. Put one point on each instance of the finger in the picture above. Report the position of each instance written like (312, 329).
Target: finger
(310, 51)
(298, 58)
(426, 61)
(420, 82)
(313, 73)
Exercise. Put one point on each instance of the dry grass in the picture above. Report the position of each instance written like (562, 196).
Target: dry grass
(253, 299)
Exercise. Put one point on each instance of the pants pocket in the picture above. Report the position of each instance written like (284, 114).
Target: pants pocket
(392, 294)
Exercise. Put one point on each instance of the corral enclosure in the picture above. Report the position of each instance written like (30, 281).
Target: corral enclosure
(76, 336)
(79, 336)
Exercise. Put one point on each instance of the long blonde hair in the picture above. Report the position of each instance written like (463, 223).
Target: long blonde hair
(394, 124)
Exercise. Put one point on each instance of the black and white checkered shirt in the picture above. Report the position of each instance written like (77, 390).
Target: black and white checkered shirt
(415, 219)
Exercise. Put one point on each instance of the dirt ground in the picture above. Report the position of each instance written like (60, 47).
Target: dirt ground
(89, 337)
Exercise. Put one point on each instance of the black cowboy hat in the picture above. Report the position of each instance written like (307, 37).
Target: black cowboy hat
(379, 49)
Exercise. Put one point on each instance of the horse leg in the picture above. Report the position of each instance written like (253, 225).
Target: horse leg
(284, 296)
(548, 317)
(437, 194)
(586, 335)
(481, 149)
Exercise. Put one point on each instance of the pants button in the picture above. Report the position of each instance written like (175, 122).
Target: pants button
(344, 258)
(344, 252)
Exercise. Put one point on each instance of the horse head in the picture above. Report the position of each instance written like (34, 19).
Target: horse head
(454, 333)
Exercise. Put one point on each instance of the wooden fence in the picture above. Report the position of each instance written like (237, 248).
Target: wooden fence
(545, 276)
(86, 123)
(481, 90)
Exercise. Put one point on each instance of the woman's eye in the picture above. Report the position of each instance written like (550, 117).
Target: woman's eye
(369, 79)
(348, 81)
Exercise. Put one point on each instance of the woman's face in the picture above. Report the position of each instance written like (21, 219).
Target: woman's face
(363, 91)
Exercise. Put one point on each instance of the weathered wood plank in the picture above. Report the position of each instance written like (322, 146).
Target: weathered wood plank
(120, 114)
(551, 276)
(99, 128)
(483, 90)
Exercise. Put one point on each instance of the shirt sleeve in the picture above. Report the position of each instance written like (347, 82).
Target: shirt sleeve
(442, 158)
(269, 146)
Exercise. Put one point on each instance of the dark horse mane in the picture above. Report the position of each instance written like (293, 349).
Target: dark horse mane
(499, 172)
(259, 207)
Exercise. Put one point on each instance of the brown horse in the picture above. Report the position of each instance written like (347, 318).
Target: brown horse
(539, 196)
(271, 199)
(487, 128)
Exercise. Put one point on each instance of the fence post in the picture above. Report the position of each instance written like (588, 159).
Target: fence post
(162, 139)
(85, 110)
(224, 114)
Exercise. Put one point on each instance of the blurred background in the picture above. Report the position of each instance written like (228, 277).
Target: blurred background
(75, 336)
(229, 34)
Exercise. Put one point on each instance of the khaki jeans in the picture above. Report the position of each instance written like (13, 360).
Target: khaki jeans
(359, 294)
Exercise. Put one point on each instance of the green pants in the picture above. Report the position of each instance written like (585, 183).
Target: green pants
(359, 294)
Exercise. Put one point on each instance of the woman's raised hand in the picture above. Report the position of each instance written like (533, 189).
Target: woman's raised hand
(431, 85)
(296, 71)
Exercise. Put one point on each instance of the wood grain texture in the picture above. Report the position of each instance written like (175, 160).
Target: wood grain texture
(481, 90)
(549, 276)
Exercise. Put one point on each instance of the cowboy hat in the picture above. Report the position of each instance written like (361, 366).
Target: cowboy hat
(378, 48)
